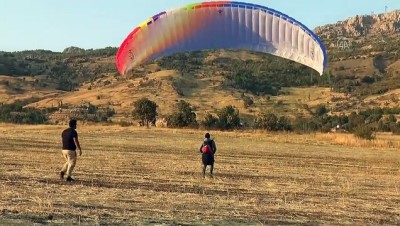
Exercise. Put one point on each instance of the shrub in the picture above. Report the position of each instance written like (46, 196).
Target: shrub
(248, 102)
(271, 122)
(368, 79)
(321, 110)
(279, 103)
(125, 124)
(395, 129)
(364, 132)
(355, 120)
(267, 121)
(4, 82)
(284, 124)
(307, 125)
(209, 121)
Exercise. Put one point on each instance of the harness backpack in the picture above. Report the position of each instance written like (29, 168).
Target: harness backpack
(206, 149)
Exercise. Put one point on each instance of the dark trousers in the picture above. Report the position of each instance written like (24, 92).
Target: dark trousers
(211, 169)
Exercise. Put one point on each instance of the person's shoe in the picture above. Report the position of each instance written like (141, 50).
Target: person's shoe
(62, 175)
(69, 179)
(212, 175)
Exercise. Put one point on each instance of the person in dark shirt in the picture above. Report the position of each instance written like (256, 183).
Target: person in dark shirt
(208, 157)
(69, 144)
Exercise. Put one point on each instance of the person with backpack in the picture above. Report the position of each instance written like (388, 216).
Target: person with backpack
(208, 149)
(70, 143)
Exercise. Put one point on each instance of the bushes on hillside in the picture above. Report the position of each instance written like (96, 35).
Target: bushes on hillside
(16, 113)
(246, 80)
(307, 125)
(227, 119)
(271, 122)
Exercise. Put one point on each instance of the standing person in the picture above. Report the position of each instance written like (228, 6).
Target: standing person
(208, 149)
(69, 144)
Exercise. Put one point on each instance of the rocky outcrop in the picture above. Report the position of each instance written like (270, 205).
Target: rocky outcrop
(387, 23)
(73, 50)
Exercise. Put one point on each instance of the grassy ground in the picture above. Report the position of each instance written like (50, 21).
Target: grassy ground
(152, 176)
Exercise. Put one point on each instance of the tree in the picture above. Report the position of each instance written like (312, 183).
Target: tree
(145, 110)
(183, 117)
(228, 118)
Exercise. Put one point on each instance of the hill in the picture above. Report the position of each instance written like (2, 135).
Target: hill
(205, 79)
(363, 71)
(364, 49)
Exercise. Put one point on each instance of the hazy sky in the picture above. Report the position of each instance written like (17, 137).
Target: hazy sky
(57, 24)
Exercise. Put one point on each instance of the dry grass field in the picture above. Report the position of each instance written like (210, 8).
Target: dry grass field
(138, 176)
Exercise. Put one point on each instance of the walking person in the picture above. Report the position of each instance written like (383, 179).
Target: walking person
(70, 143)
(208, 149)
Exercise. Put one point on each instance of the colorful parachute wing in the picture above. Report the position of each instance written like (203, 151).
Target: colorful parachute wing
(221, 25)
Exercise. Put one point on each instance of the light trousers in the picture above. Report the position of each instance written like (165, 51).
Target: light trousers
(70, 158)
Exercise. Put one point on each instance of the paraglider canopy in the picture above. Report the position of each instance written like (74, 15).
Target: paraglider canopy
(221, 25)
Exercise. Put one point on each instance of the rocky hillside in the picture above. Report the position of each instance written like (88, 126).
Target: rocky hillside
(381, 24)
(363, 37)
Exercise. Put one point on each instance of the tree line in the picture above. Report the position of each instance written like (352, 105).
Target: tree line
(363, 124)
(16, 113)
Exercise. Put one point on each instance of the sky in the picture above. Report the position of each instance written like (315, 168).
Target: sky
(58, 24)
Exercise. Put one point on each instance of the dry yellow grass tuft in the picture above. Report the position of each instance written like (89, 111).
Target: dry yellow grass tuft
(152, 176)
(382, 140)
